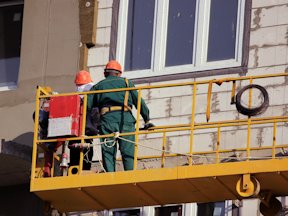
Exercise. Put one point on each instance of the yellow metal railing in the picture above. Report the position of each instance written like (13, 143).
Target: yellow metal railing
(44, 93)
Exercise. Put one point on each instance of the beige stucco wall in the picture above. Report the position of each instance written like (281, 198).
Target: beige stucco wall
(49, 57)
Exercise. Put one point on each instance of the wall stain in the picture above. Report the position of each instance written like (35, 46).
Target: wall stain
(286, 34)
(149, 97)
(168, 109)
(215, 103)
(189, 118)
(257, 19)
(273, 45)
(168, 144)
(256, 58)
(286, 77)
(97, 45)
(214, 140)
(285, 110)
(233, 132)
(260, 133)
(253, 47)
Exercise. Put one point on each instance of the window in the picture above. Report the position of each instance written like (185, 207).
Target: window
(163, 37)
(169, 211)
(11, 17)
(236, 204)
(130, 212)
(211, 209)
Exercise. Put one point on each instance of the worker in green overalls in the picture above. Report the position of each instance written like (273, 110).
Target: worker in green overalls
(115, 110)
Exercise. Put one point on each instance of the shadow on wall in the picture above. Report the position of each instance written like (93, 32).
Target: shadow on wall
(20, 147)
(24, 139)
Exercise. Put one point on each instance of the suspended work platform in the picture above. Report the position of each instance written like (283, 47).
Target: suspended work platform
(201, 183)
(235, 173)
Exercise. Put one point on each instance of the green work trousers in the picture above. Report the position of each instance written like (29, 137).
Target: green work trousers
(126, 148)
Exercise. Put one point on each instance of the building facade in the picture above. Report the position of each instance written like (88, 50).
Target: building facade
(157, 42)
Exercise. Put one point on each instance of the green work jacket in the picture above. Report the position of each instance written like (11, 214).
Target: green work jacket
(116, 99)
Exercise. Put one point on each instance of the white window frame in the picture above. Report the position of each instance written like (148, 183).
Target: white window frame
(200, 63)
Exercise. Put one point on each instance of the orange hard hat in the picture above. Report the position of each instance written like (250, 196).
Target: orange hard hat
(82, 77)
(113, 65)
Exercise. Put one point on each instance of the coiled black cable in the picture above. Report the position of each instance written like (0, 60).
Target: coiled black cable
(256, 110)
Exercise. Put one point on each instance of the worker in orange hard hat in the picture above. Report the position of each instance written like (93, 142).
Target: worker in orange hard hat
(116, 116)
(113, 66)
(83, 83)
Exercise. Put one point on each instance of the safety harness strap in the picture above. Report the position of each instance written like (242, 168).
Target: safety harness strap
(113, 108)
(126, 95)
(125, 107)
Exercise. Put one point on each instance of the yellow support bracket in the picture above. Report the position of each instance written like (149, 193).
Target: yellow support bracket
(246, 181)
(46, 90)
(248, 186)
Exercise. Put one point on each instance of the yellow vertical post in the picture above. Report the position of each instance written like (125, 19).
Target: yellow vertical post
(53, 165)
(163, 148)
(209, 94)
(233, 92)
(274, 139)
(35, 137)
(83, 131)
(192, 123)
(137, 129)
(248, 138)
(249, 124)
(218, 145)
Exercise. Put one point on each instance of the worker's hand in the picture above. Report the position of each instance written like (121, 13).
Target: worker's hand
(148, 125)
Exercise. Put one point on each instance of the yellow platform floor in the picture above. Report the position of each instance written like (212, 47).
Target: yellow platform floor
(197, 183)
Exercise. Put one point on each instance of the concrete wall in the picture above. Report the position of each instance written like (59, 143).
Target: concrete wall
(99, 55)
(49, 57)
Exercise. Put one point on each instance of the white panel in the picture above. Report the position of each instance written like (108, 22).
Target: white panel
(59, 126)
(249, 207)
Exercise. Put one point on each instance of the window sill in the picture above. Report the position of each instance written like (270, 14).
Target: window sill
(236, 70)
(8, 86)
